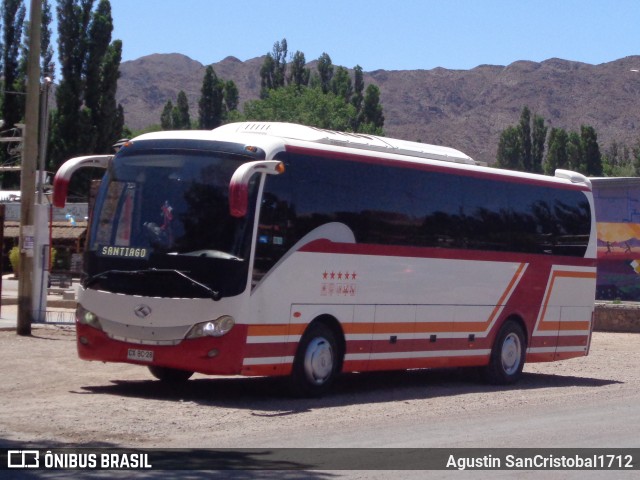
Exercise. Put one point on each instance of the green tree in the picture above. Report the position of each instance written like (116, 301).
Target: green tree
(279, 53)
(180, 114)
(13, 13)
(538, 138)
(619, 161)
(231, 96)
(211, 105)
(319, 99)
(530, 142)
(98, 42)
(299, 74)
(575, 155)
(341, 84)
(273, 70)
(109, 117)
(71, 124)
(557, 155)
(308, 106)
(372, 116)
(510, 149)
(87, 119)
(47, 68)
(266, 76)
(357, 98)
(525, 139)
(166, 118)
(325, 72)
(591, 151)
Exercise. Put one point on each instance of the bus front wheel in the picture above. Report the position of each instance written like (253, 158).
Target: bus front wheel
(316, 362)
(170, 375)
(507, 355)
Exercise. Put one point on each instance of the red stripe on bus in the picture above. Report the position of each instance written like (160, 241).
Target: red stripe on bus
(327, 246)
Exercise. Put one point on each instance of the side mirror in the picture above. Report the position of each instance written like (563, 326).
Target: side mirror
(239, 185)
(68, 168)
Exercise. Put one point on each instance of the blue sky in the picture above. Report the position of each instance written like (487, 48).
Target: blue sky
(383, 34)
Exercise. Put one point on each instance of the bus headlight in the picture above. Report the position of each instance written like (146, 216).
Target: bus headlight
(87, 317)
(214, 328)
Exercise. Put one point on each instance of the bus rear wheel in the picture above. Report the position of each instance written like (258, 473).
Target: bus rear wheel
(507, 355)
(170, 375)
(316, 363)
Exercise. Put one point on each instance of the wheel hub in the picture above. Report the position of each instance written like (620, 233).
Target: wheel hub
(318, 361)
(511, 353)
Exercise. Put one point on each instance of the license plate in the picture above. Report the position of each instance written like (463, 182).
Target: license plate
(140, 355)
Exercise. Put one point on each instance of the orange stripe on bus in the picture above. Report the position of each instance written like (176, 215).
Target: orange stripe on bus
(267, 370)
(503, 298)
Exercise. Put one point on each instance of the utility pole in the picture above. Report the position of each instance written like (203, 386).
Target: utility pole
(28, 177)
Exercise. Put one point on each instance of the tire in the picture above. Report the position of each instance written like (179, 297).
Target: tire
(507, 355)
(170, 375)
(315, 366)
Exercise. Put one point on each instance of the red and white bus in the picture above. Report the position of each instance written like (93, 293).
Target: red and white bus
(278, 249)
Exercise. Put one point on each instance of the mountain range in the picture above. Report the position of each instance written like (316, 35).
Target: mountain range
(463, 109)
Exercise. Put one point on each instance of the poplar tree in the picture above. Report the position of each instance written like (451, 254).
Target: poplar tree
(538, 138)
(180, 114)
(109, 115)
(299, 74)
(524, 131)
(231, 96)
(510, 149)
(557, 156)
(358, 95)
(321, 99)
(211, 105)
(70, 121)
(166, 118)
(47, 68)
(341, 84)
(274, 67)
(87, 119)
(372, 116)
(325, 71)
(574, 152)
(527, 153)
(13, 14)
(592, 164)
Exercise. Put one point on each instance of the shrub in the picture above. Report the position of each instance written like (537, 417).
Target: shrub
(14, 259)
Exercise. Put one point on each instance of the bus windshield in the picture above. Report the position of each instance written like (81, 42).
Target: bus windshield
(167, 210)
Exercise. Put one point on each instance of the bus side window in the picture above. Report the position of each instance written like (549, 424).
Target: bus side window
(274, 226)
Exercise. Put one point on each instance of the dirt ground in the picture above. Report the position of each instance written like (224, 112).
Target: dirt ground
(50, 397)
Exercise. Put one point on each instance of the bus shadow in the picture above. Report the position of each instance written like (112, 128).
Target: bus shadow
(271, 395)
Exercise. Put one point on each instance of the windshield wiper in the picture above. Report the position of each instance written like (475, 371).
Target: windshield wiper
(213, 294)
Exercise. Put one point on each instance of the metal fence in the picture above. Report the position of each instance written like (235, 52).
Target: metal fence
(60, 318)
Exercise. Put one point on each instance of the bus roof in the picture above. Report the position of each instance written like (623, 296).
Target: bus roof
(359, 141)
(275, 135)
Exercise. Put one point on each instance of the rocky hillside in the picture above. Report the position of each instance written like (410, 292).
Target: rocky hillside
(464, 109)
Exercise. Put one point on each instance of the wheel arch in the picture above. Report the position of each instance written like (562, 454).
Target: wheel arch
(517, 318)
(334, 324)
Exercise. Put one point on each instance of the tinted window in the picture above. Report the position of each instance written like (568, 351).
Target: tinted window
(400, 206)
